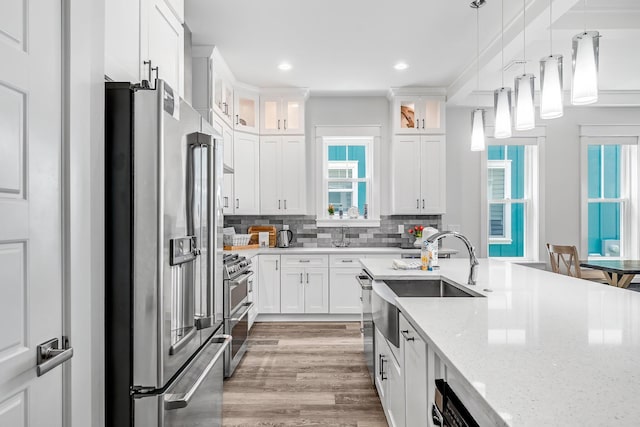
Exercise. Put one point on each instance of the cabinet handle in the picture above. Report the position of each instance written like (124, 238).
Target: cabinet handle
(406, 336)
(422, 123)
(278, 124)
(417, 203)
(347, 260)
(237, 203)
(422, 203)
(382, 373)
(307, 278)
(285, 124)
(305, 260)
(276, 265)
(226, 202)
(278, 204)
(285, 202)
(237, 119)
(300, 278)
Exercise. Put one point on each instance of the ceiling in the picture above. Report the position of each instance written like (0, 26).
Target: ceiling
(351, 46)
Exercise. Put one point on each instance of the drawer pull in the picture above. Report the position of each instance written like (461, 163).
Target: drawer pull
(406, 336)
(347, 260)
(305, 260)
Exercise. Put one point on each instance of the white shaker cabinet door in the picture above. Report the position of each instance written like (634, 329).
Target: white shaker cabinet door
(246, 176)
(122, 40)
(417, 407)
(433, 175)
(292, 290)
(292, 114)
(293, 182)
(406, 175)
(316, 290)
(270, 175)
(344, 292)
(395, 396)
(246, 109)
(163, 40)
(269, 284)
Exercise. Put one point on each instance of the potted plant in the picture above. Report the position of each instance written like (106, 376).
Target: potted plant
(417, 233)
(331, 211)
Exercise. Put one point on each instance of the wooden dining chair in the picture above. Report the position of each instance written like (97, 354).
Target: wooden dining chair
(564, 260)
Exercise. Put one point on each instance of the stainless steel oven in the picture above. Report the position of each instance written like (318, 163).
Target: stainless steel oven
(447, 410)
(366, 321)
(237, 285)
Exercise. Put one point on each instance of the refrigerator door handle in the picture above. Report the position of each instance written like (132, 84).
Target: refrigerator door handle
(178, 401)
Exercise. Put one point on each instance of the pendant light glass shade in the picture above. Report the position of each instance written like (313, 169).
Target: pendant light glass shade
(551, 87)
(477, 130)
(525, 111)
(502, 108)
(584, 86)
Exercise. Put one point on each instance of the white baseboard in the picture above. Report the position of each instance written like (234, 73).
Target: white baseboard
(308, 318)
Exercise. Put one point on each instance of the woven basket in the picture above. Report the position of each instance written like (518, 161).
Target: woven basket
(236, 239)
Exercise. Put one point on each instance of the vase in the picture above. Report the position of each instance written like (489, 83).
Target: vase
(418, 242)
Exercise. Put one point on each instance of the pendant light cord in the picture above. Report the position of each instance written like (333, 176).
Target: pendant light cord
(524, 36)
(478, 55)
(550, 27)
(584, 10)
(502, 40)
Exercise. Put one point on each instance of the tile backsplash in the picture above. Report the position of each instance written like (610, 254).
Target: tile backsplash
(307, 234)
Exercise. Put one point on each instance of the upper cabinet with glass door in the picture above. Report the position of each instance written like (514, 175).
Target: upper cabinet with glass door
(418, 113)
(221, 88)
(282, 113)
(247, 110)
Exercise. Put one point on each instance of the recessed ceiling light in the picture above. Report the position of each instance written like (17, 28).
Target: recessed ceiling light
(285, 66)
(401, 66)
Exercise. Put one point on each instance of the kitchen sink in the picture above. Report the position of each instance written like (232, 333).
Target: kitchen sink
(426, 288)
(386, 315)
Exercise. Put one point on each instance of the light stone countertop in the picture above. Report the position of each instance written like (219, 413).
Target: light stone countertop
(541, 349)
(250, 253)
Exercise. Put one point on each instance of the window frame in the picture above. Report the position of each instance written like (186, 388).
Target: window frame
(370, 134)
(627, 136)
(506, 202)
(534, 202)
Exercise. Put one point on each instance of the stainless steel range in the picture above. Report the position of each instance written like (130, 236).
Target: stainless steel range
(238, 282)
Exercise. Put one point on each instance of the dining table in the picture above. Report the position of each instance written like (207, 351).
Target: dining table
(618, 273)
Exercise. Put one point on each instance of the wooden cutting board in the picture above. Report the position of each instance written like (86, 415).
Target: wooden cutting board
(271, 229)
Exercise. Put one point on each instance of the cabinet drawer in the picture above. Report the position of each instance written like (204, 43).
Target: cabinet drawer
(345, 261)
(305, 261)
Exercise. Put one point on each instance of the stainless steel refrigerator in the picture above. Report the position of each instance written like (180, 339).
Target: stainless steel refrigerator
(164, 342)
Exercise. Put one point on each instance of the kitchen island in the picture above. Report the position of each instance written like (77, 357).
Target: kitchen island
(539, 349)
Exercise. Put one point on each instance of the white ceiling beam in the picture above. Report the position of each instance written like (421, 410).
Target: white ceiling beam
(490, 56)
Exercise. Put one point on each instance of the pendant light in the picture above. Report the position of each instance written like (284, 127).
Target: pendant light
(502, 99)
(585, 55)
(551, 86)
(525, 111)
(477, 115)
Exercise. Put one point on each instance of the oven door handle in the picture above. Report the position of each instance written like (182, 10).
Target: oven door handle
(248, 306)
(178, 401)
(244, 276)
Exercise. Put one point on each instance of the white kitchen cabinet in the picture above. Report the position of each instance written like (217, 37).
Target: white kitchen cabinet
(228, 205)
(305, 290)
(140, 30)
(419, 174)
(389, 381)
(419, 114)
(292, 290)
(344, 289)
(162, 42)
(246, 176)
(246, 108)
(282, 114)
(282, 175)
(269, 283)
(417, 405)
(252, 292)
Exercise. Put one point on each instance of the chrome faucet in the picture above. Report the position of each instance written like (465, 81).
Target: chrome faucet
(473, 260)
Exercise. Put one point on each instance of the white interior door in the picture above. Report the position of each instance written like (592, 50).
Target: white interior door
(30, 209)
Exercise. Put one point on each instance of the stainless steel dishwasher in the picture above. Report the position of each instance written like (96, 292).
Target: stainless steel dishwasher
(366, 321)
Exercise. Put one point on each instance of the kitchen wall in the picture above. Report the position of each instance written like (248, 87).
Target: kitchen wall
(562, 172)
(307, 234)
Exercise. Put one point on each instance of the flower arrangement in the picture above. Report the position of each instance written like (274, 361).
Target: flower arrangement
(331, 210)
(416, 231)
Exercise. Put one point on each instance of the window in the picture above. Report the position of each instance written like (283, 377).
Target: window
(347, 174)
(606, 204)
(511, 196)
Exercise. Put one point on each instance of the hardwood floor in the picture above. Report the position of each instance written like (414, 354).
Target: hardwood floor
(303, 374)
